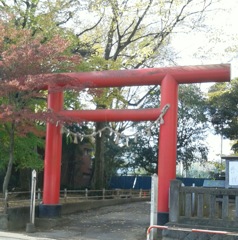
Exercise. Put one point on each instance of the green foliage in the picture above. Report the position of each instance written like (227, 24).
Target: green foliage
(223, 100)
(41, 16)
(26, 53)
(4, 147)
(113, 157)
(137, 33)
(98, 63)
(192, 126)
(27, 151)
(142, 154)
(220, 166)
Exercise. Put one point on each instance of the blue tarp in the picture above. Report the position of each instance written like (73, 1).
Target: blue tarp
(144, 182)
(190, 181)
(128, 182)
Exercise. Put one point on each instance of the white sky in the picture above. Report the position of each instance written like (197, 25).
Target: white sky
(223, 26)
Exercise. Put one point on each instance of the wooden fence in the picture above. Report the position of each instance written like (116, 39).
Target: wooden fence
(16, 199)
(216, 207)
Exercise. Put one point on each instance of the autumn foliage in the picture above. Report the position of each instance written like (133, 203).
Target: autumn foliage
(24, 62)
(27, 62)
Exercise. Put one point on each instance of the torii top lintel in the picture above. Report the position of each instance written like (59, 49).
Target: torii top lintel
(148, 76)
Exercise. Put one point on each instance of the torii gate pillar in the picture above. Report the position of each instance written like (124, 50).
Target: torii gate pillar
(167, 146)
(52, 166)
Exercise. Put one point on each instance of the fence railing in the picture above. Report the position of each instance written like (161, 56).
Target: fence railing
(16, 199)
(203, 206)
(72, 195)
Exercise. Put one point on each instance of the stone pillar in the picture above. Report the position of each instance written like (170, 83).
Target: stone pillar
(175, 186)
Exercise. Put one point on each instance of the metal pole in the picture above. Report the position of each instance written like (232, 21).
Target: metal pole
(162, 227)
(39, 195)
(103, 193)
(221, 148)
(153, 204)
(33, 197)
(193, 201)
(86, 193)
(30, 227)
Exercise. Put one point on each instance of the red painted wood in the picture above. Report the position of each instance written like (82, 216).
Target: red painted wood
(140, 77)
(106, 115)
(167, 142)
(53, 150)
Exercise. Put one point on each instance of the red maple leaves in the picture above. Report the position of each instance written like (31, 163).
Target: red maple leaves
(25, 62)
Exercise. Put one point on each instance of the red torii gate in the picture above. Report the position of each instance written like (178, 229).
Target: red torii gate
(169, 78)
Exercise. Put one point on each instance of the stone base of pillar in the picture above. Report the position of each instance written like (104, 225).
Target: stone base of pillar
(162, 218)
(49, 211)
(30, 228)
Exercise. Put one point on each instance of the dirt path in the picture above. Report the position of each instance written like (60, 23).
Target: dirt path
(124, 222)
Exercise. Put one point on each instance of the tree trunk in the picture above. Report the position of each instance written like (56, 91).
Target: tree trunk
(25, 179)
(99, 171)
(11, 157)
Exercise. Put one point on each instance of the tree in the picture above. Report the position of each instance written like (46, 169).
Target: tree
(133, 34)
(103, 98)
(192, 125)
(41, 16)
(223, 111)
(43, 21)
(136, 33)
(21, 57)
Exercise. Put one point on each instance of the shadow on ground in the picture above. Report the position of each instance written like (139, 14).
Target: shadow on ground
(124, 222)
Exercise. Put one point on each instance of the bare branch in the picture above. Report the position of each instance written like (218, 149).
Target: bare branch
(26, 15)
(91, 28)
(110, 38)
(4, 3)
(70, 15)
(142, 98)
(120, 47)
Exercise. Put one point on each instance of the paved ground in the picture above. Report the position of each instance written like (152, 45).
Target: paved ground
(122, 222)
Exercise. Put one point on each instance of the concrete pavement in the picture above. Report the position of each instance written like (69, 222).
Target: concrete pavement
(121, 222)
(18, 236)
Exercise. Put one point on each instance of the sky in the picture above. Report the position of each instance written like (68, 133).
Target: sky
(212, 47)
(201, 47)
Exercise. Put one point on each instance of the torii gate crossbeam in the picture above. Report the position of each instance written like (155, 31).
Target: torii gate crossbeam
(169, 79)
